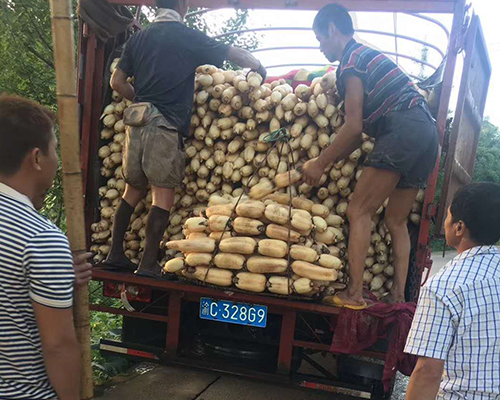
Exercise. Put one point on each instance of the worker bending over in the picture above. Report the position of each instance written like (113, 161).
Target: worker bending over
(163, 59)
(382, 101)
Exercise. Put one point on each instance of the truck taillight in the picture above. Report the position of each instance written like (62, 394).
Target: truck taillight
(134, 292)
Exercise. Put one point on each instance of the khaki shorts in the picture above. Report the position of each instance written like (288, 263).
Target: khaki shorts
(154, 151)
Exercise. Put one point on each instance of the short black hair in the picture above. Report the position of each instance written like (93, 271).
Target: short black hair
(24, 125)
(172, 4)
(478, 206)
(333, 13)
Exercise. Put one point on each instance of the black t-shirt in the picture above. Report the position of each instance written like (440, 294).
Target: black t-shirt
(163, 59)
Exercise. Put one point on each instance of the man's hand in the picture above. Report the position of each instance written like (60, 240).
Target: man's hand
(121, 85)
(312, 171)
(262, 72)
(245, 59)
(83, 269)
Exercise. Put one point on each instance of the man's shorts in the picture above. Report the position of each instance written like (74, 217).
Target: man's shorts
(154, 150)
(407, 142)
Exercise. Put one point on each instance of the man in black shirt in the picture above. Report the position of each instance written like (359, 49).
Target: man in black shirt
(162, 59)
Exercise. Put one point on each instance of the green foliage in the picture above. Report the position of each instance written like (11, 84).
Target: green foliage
(237, 22)
(26, 50)
(487, 168)
(102, 326)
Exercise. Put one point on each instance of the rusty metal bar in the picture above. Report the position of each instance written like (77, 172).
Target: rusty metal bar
(286, 342)
(317, 48)
(102, 275)
(134, 314)
(434, 21)
(174, 325)
(417, 6)
(311, 345)
(449, 73)
(289, 28)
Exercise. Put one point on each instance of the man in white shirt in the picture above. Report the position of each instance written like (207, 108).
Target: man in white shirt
(456, 329)
(39, 353)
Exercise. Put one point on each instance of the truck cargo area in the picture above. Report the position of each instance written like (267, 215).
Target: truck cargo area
(293, 349)
(206, 359)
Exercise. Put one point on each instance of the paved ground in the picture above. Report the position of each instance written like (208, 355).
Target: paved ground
(150, 382)
(438, 261)
(179, 383)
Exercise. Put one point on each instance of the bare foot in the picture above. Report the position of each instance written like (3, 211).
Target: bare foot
(393, 298)
(346, 298)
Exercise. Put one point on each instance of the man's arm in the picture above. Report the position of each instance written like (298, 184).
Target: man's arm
(245, 59)
(430, 338)
(121, 85)
(49, 270)
(60, 349)
(349, 136)
(425, 379)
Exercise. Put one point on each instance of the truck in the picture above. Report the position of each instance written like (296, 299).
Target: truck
(161, 319)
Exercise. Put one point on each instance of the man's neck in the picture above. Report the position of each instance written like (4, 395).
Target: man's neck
(168, 14)
(344, 40)
(19, 184)
(466, 244)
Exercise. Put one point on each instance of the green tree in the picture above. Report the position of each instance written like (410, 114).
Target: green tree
(26, 50)
(487, 168)
(28, 69)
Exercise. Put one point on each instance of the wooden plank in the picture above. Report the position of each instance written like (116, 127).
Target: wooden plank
(423, 6)
(88, 96)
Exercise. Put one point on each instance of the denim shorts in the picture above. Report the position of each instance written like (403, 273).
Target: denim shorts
(406, 142)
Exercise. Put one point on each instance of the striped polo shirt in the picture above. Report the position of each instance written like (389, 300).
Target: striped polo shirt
(36, 265)
(387, 87)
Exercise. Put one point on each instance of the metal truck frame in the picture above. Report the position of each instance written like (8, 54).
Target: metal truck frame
(165, 303)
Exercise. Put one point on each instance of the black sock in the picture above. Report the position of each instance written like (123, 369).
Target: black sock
(120, 224)
(155, 228)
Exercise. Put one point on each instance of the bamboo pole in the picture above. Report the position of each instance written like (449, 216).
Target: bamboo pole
(64, 55)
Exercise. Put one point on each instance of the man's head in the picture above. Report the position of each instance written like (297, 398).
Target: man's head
(28, 157)
(333, 28)
(181, 6)
(474, 216)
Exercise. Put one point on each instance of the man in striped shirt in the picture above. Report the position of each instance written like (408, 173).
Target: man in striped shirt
(39, 355)
(381, 100)
(456, 329)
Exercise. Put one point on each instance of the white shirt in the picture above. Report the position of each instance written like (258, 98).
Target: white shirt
(458, 320)
(8, 191)
(35, 266)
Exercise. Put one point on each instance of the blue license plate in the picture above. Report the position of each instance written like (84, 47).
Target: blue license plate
(233, 313)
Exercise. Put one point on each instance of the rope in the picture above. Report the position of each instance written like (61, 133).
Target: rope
(233, 212)
(281, 135)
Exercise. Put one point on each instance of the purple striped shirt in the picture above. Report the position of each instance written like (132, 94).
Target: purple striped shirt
(387, 88)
